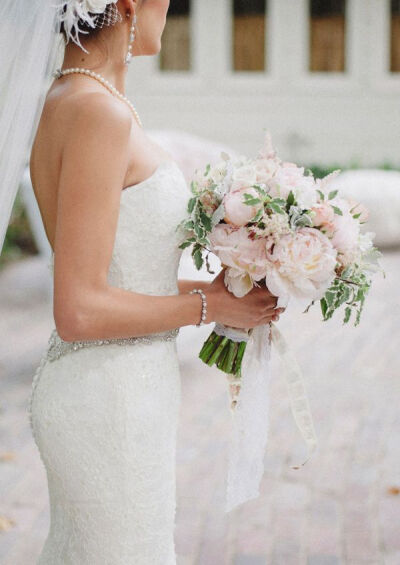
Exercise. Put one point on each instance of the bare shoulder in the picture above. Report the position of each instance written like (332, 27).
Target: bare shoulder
(95, 113)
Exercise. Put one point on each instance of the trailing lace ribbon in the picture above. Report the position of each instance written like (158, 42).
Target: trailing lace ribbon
(250, 417)
(297, 392)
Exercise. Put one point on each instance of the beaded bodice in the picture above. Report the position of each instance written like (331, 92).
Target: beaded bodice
(146, 255)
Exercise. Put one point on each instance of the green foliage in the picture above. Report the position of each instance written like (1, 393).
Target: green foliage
(290, 201)
(320, 171)
(197, 256)
(196, 227)
(19, 240)
(198, 224)
(350, 288)
(337, 210)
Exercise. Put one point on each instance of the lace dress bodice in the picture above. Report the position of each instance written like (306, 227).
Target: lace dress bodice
(146, 255)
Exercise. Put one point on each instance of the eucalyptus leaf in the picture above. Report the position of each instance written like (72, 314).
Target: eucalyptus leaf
(337, 210)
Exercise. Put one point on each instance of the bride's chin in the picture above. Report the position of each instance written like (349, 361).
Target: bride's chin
(155, 48)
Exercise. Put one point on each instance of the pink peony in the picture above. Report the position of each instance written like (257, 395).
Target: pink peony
(237, 212)
(247, 258)
(303, 265)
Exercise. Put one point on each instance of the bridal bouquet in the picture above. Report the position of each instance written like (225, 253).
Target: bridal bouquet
(273, 224)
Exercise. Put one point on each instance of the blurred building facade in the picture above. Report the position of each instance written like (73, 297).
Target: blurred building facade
(323, 76)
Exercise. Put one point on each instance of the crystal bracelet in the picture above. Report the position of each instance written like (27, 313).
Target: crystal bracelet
(203, 305)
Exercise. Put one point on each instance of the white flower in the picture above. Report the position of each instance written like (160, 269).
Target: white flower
(276, 225)
(369, 255)
(365, 241)
(218, 172)
(346, 233)
(243, 177)
(96, 6)
(265, 169)
(238, 282)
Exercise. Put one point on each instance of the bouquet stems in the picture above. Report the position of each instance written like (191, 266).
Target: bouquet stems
(225, 353)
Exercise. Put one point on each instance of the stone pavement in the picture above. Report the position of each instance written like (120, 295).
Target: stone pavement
(342, 507)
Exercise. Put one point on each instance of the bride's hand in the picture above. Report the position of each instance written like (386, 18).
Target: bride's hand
(256, 308)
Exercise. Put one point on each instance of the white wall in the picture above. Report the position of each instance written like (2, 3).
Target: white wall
(314, 118)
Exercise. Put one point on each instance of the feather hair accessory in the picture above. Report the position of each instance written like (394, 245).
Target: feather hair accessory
(72, 14)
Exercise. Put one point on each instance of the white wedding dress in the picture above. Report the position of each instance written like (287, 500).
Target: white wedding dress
(104, 415)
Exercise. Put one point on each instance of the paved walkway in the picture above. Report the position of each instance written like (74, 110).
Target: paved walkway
(343, 507)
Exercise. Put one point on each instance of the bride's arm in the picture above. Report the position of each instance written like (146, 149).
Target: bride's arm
(186, 285)
(94, 163)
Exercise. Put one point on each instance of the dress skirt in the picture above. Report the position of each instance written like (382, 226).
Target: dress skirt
(105, 419)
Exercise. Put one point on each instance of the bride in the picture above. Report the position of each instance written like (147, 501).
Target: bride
(105, 397)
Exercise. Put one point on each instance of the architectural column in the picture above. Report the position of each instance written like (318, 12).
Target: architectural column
(212, 40)
(289, 52)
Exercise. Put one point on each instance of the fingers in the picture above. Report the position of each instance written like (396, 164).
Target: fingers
(271, 315)
(270, 308)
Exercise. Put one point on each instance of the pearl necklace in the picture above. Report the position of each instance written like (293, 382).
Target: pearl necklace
(59, 73)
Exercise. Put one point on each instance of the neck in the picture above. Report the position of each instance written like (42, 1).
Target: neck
(106, 59)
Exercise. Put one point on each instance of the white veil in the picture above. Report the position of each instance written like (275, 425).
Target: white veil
(28, 50)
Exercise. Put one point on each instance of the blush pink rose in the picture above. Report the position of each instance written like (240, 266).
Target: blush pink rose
(302, 265)
(324, 214)
(291, 178)
(237, 212)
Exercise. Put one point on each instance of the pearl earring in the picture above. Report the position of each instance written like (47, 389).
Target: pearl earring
(131, 40)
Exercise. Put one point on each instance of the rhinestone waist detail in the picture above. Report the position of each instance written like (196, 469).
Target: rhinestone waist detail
(58, 347)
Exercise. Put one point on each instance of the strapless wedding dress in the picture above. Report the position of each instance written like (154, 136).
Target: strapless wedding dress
(104, 414)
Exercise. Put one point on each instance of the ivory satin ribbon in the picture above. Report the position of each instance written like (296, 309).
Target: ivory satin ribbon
(250, 417)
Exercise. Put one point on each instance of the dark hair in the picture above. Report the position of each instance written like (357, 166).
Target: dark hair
(84, 27)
